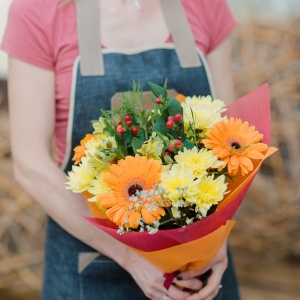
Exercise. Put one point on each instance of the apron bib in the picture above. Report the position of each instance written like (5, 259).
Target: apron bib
(97, 76)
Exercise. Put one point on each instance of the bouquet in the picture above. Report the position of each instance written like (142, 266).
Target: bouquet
(166, 180)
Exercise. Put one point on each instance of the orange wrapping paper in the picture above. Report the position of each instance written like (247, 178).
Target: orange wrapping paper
(193, 255)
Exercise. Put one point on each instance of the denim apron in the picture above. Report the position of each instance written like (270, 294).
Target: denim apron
(73, 270)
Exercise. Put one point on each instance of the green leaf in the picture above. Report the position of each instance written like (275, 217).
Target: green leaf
(109, 129)
(160, 126)
(174, 107)
(165, 84)
(127, 138)
(188, 144)
(158, 91)
(120, 142)
(136, 144)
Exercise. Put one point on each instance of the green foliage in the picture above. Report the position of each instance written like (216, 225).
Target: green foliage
(158, 91)
(174, 107)
(136, 144)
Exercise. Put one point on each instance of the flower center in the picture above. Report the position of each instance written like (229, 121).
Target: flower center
(133, 189)
(133, 186)
(235, 143)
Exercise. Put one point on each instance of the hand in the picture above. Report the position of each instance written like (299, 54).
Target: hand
(151, 280)
(188, 280)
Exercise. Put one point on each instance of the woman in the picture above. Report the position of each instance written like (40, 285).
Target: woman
(54, 94)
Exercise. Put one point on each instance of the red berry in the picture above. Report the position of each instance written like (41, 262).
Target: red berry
(178, 117)
(167, 153)
(158, 100)
(128, 123)
(170, 124)
(171, 148)
(121, 123)
(171, 118)
(178, 143)
(134, 130)
(121, 130)
(127, 118)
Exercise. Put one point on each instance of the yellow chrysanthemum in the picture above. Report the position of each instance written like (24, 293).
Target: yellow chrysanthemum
(129, 176)
(203, 112)
(98, 186)
(81, 177)
(236, 143)
(198, 160)
(211, 191)
(179, 183)
(152, 149)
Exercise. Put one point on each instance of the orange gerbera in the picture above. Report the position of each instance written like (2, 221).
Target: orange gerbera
(236, 144)
(80, 150)
(124, 206)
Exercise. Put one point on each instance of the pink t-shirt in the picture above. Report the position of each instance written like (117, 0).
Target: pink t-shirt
(43, 33)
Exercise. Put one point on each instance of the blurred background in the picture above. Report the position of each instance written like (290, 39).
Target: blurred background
(266, 237)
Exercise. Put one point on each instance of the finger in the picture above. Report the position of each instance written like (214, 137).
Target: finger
(191, 284)
(178, 294)
(200, 274)
(161, 296)
(197, 296)
(212, 287)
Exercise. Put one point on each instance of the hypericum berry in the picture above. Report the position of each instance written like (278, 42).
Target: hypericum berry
(134, 130)
(121, 123)
(167, 153)
(128, 123)
(178, 143)
(170, 124)
(171, 148)
(121, 130)
(158, 100)
(171, 118)
(178, 117)
(127, 117)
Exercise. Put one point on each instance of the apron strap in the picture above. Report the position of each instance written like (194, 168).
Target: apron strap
(88, 27)
(181, 33)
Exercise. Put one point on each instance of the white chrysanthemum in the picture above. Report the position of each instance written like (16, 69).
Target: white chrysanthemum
(179, 183)
(100, 141)
(198, 160)
(107, 142)
(152, 149)
(81, 177)
(99, 126)
(211, 191)
(98, 187)
(202, 111)
(175, 212)
(92, 145)
(98, 159)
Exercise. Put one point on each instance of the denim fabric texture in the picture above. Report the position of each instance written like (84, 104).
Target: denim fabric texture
(102, 278)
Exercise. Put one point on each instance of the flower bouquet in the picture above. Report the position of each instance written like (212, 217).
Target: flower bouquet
(167, 180)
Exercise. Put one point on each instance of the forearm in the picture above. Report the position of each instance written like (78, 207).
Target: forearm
(44, 181)
(219, 62)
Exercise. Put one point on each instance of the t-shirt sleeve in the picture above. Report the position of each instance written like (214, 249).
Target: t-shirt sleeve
(26, 37)
(221, 22)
